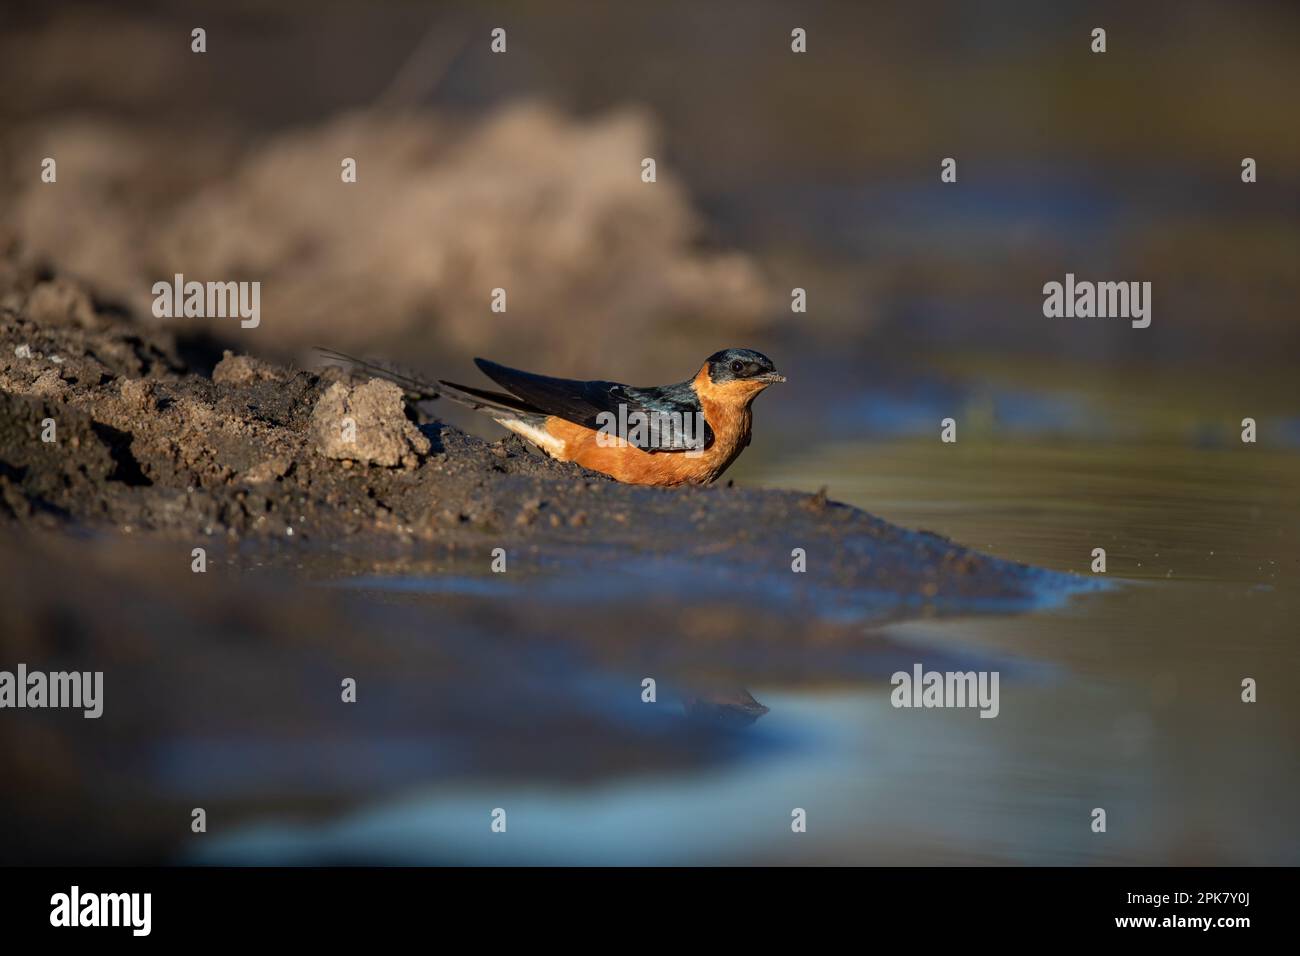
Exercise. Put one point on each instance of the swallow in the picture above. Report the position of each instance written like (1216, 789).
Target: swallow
(686, 433)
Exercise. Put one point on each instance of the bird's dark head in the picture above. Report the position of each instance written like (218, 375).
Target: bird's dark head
(742, 367)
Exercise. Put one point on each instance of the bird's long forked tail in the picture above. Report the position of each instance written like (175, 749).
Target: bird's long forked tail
(419, 390)
(415, 388)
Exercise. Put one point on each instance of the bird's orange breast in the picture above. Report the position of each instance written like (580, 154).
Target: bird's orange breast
(726, 409)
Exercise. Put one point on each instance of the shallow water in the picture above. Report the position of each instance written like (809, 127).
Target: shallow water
(1128, 698)
(1141, 713)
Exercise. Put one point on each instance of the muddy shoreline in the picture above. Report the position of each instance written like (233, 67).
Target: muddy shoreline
(251, 455)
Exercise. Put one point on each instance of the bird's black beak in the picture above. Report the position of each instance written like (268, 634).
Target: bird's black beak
(772, 377)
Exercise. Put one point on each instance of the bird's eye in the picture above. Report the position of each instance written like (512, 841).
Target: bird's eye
(738, 366)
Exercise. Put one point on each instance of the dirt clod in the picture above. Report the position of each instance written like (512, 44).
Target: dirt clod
(367, 424)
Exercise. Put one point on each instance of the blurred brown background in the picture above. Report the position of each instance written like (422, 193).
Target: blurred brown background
(776, 170)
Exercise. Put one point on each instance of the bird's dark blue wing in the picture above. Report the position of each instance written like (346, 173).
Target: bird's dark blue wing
(659, 418)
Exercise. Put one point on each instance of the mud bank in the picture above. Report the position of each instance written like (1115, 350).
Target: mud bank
(105, 426)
